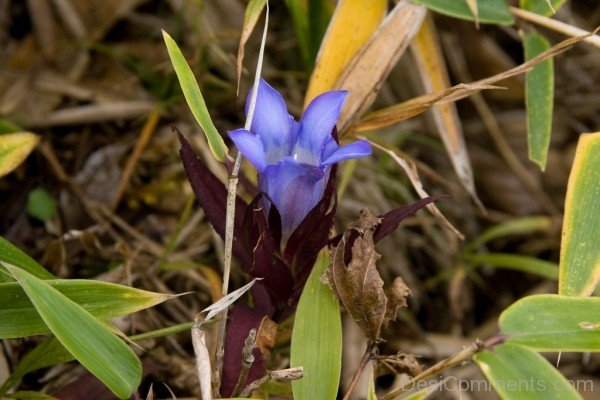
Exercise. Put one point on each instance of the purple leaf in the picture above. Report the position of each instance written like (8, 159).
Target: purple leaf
(242, 319)
(391, 220)
(212, 196)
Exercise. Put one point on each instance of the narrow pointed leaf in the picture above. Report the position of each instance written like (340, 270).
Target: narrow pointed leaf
(101, 299)
(489, 11)
(340, 44)
(194, 98)
(539, 96)
(580, 246)
(91, 343)
(14, 149)
(317, 338)
(519, 373)
(11, 254)
(253, 11)
(551, 322)
(516, 262)
(543, 7)
(52, 352)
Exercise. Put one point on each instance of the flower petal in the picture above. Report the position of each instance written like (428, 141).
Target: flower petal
(360, 148)
(272, 122)
(319, 119)
(294, 188)
(251, 147)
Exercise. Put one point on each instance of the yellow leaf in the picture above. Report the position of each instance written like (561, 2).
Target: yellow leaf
(14, 149)
(579, 271)
(352, 24)
(365, 73)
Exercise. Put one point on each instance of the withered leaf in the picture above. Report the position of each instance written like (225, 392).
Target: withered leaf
(358, 284)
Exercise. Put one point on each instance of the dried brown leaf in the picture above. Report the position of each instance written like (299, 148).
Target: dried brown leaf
(417, 105)
(366, 72)
(427, 52)
(358, 285)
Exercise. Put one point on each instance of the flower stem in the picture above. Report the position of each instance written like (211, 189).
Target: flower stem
(230, 217)
(464, 355)
(369, 352)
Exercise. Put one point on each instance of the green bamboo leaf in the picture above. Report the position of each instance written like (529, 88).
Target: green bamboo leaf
(549, 322)
(11, 254)
(519, 373)
(543, 7)
(516, 262)
(317, 338)
(519, 226)
(580, 246)
(539, 99)
(489, 11)
(41, 205)
(195, 101)
(51, 352)
(310, 19)
(101, 299)
(14, 149)
(87, 339)
(8, 127)
(30, 395)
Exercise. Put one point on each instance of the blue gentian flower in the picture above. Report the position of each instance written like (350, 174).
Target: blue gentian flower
(294, 159)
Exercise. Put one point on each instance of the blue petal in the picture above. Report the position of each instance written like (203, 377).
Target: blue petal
(294, 188)
(272, 122)
(360, 148)
(251, 147)
(318, 121)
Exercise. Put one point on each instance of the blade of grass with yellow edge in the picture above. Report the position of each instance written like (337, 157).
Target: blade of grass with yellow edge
(14, 149)
(580, 247)
(352, 24)
(194, 99)
(519, 373)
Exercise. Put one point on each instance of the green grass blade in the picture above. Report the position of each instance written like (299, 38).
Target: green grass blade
(317, 338)
(516, 262)
(580, 246)
(539, 99)
(550, 322)
(101, 299)
(51, 352)
(541, 6)
(490, 11)
(11, 254)
(519, 373)
(519, 226)
(87, 339)
(194, 98)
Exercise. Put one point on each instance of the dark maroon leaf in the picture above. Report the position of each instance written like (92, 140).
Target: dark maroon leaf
(267, 264)
(212, 196)
(242, 319)
(391, 220)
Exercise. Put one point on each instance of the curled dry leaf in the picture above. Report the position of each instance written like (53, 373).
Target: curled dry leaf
(358, 284)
